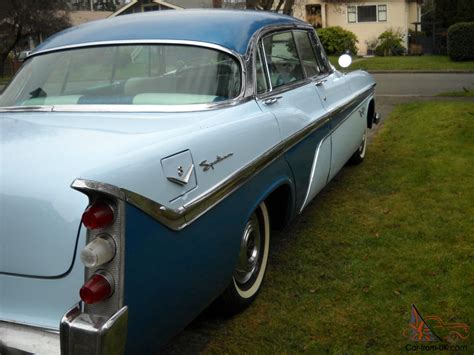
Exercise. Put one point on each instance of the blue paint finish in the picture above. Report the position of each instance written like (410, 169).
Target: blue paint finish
(235, 28)
(172, 276)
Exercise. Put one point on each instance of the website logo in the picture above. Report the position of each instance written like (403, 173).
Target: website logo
(431, 333)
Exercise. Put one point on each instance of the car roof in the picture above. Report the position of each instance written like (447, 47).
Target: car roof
(232, 29)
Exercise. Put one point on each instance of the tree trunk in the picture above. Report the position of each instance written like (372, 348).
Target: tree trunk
(280, 4)
(288, 9)
(251, 4)
(3, 62)
(266, 4)
(6, 50)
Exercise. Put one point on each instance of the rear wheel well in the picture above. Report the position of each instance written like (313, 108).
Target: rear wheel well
(371, 113)
(279, 206)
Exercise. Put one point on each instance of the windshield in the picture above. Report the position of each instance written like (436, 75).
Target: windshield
(126, 75)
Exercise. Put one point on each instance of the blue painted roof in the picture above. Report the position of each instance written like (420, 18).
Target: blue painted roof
(229, 28)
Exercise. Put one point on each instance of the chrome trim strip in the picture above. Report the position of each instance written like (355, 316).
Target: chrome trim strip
(26, 109)
(127, 108)
(241, 98)
(177, 219)
(16, 338)
(88, 187)
(140, 41)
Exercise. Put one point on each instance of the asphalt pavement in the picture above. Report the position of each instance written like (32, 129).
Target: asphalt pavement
(421, 84)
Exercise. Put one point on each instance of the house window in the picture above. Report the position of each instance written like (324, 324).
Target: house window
(382, 12)
(313, 15)
(352, 14)
(367, 13)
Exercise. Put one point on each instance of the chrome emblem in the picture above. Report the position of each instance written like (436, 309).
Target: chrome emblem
(183, 177)
(362, 111)
(206, 166)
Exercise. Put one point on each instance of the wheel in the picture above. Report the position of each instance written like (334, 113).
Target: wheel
(359, 154)
(251, 264)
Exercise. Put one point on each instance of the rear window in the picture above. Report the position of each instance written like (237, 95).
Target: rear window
(126, 74)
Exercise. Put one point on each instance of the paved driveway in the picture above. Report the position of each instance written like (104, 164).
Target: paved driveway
(421, 84)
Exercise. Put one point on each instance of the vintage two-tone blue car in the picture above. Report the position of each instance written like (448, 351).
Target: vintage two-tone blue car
(144, 161)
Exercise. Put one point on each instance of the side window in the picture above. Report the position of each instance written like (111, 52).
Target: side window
(282, 58)
(320, 54)
(261, 77)
(305, 49)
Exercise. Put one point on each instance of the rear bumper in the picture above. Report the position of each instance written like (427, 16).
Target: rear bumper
(82, 333)
(16, 338)
(79, 333)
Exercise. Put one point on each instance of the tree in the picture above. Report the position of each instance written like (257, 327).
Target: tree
(267, 5)
(449, 12)
(20, 19)
(465, 11)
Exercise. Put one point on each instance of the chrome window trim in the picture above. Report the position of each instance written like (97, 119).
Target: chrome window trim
(263, 61)
(126, 108)
(179, 218)
(256, 43)
(321, 73)
(284, 88)
(293, 84)
(241, 98)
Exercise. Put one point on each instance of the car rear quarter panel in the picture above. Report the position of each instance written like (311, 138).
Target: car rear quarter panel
(171, 276)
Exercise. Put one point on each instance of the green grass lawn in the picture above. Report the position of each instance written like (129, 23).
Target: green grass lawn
(465, 93)
(425, 62)
(394, 231)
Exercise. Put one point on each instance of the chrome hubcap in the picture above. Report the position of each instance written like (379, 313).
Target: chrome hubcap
(248, 263)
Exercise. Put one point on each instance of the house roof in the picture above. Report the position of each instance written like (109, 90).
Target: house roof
(232, 29)
(134, 2)
(80, 17)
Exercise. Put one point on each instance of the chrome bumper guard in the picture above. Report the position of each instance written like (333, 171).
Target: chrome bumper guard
(82, 333)
(377, 118)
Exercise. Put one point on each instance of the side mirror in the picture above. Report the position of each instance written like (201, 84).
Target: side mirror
(344, 60)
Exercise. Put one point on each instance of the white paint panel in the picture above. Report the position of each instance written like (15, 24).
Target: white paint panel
(319, 170)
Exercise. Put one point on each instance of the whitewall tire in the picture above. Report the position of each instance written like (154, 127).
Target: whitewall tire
(251, 264)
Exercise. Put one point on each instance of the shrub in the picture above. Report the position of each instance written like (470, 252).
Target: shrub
(390, 43)
(461, 41)
(337, 40)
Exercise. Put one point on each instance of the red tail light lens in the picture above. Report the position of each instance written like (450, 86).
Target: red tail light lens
(98, 215)
(96, 289)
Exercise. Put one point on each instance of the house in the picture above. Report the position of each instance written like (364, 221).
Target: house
(135, 6)
(80, 17)
(95, 5)
(366, 19)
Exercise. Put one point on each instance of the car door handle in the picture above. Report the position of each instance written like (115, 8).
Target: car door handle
(271, 100)
(320, 82)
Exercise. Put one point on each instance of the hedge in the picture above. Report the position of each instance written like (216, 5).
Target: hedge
(461, 41)
(337, 40)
